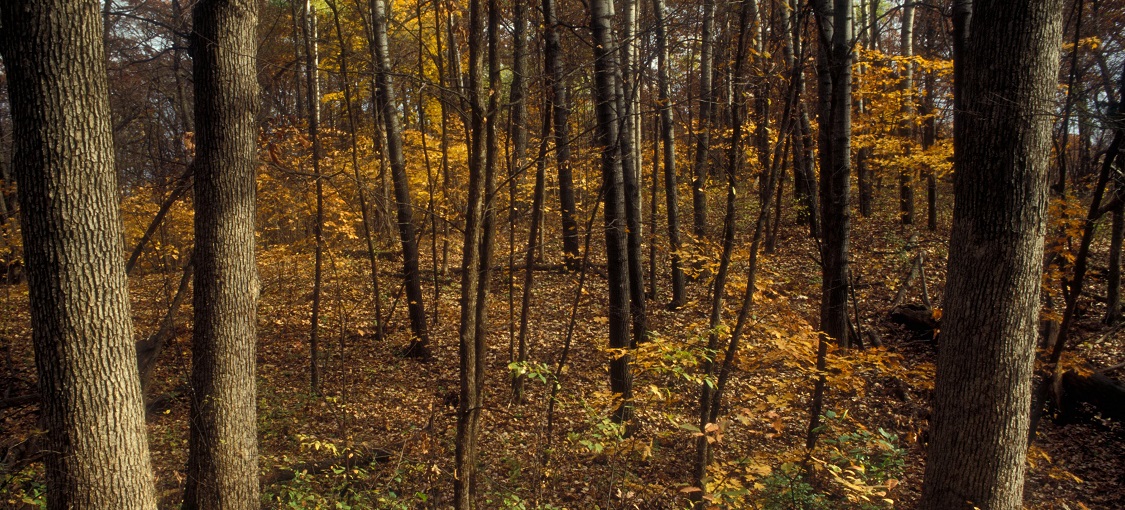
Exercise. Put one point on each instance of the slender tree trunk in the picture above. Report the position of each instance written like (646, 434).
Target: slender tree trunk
(906, 128)
(385, 96)
(1113, 274)
(668, 144)
(297, 76)
(734, 160)
(361, 187)
(834, 119)
(560, 108)
(929, 137)
(977, 453)
(835, 157)
(804, 163)
(517, 125)
(223, 444)
(474, 262)
(613, 182)
(518, 379)
(443, 144)
(96, 451)
(629, 166)
(312, 88)
(1063, 137)
(703, 129)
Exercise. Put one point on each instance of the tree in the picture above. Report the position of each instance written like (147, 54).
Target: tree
(96, 450)
(703, 129)
(613, 194)
(385, 96)
(475, 258)
(668, 143)
(560, 114)
(312, 90)
(906, 130)
(982, 391)
(223, 444)
(834, 118)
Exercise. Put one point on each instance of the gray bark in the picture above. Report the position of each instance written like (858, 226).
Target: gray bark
(96, 449)
(223, 444)
(982, 392)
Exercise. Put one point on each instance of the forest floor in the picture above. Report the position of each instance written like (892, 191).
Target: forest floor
(373, 400)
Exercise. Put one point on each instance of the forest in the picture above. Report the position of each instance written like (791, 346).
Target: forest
(532, 254)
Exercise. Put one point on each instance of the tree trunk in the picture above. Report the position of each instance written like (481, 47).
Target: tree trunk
(1113, 275)
(385, 95)
(929, 137)
(1001, 149)
(668, 142)
(560, 109)
(96, 451)
(223, 444)
(804, 164)
(703, 129)
(906, 128)
(474, 264)
(361, 187)
(312, 89)
(627, 148)
(518, 378)
(834, 119)
(613, 189)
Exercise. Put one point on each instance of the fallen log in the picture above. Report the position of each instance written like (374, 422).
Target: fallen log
(918, 319)
(348, 460)
(1104, 394)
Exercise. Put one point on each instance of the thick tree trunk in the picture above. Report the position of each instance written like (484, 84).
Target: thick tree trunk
(977, 452)
(613, 189)
(223, 444)
(96, 450)
(560, 109)
(703, 127)
(385, 95)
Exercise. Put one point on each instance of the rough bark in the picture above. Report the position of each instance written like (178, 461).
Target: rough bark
(96, 451)
(982, 391)
(223, 443)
